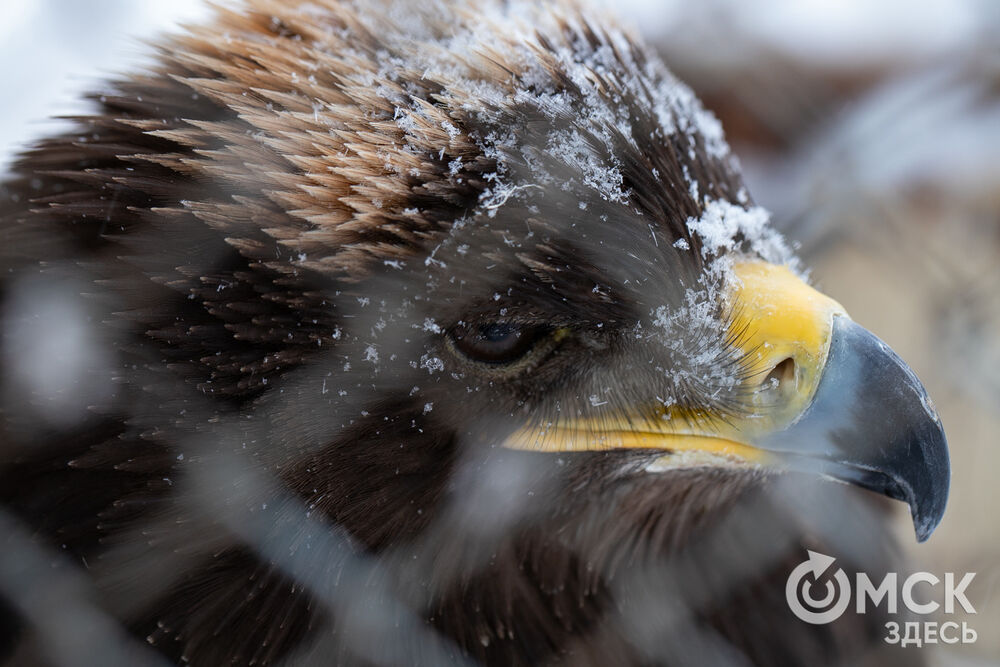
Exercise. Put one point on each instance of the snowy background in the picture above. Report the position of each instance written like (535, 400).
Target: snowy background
(872, 130)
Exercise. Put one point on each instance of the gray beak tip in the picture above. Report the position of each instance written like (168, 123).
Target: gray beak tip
(871, 423)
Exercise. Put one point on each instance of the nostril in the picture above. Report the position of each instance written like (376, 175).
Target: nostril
(782, 375)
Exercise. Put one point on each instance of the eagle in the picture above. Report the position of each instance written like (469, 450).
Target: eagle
(390, 333)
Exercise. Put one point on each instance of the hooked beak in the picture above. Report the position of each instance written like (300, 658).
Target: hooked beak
(831, 398)
(872, 423)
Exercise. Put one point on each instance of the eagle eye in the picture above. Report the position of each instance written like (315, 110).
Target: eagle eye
(497, 343)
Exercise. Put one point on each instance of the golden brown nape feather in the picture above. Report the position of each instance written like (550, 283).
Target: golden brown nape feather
(263, 453)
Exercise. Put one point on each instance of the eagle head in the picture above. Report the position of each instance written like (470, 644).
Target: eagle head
(453, 329)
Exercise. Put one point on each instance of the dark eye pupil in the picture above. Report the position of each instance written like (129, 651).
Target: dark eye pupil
(496, 342)
(496, 333)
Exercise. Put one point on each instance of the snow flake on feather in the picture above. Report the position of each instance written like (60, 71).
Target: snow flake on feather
(588, 116)
(689, 333)
(431, 363)
(389, 99)
(725, 227)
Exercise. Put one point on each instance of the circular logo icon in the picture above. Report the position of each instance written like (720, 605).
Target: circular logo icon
(824, 606)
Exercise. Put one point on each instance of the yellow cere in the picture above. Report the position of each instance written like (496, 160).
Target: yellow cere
(786, 327)
(784, 319)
